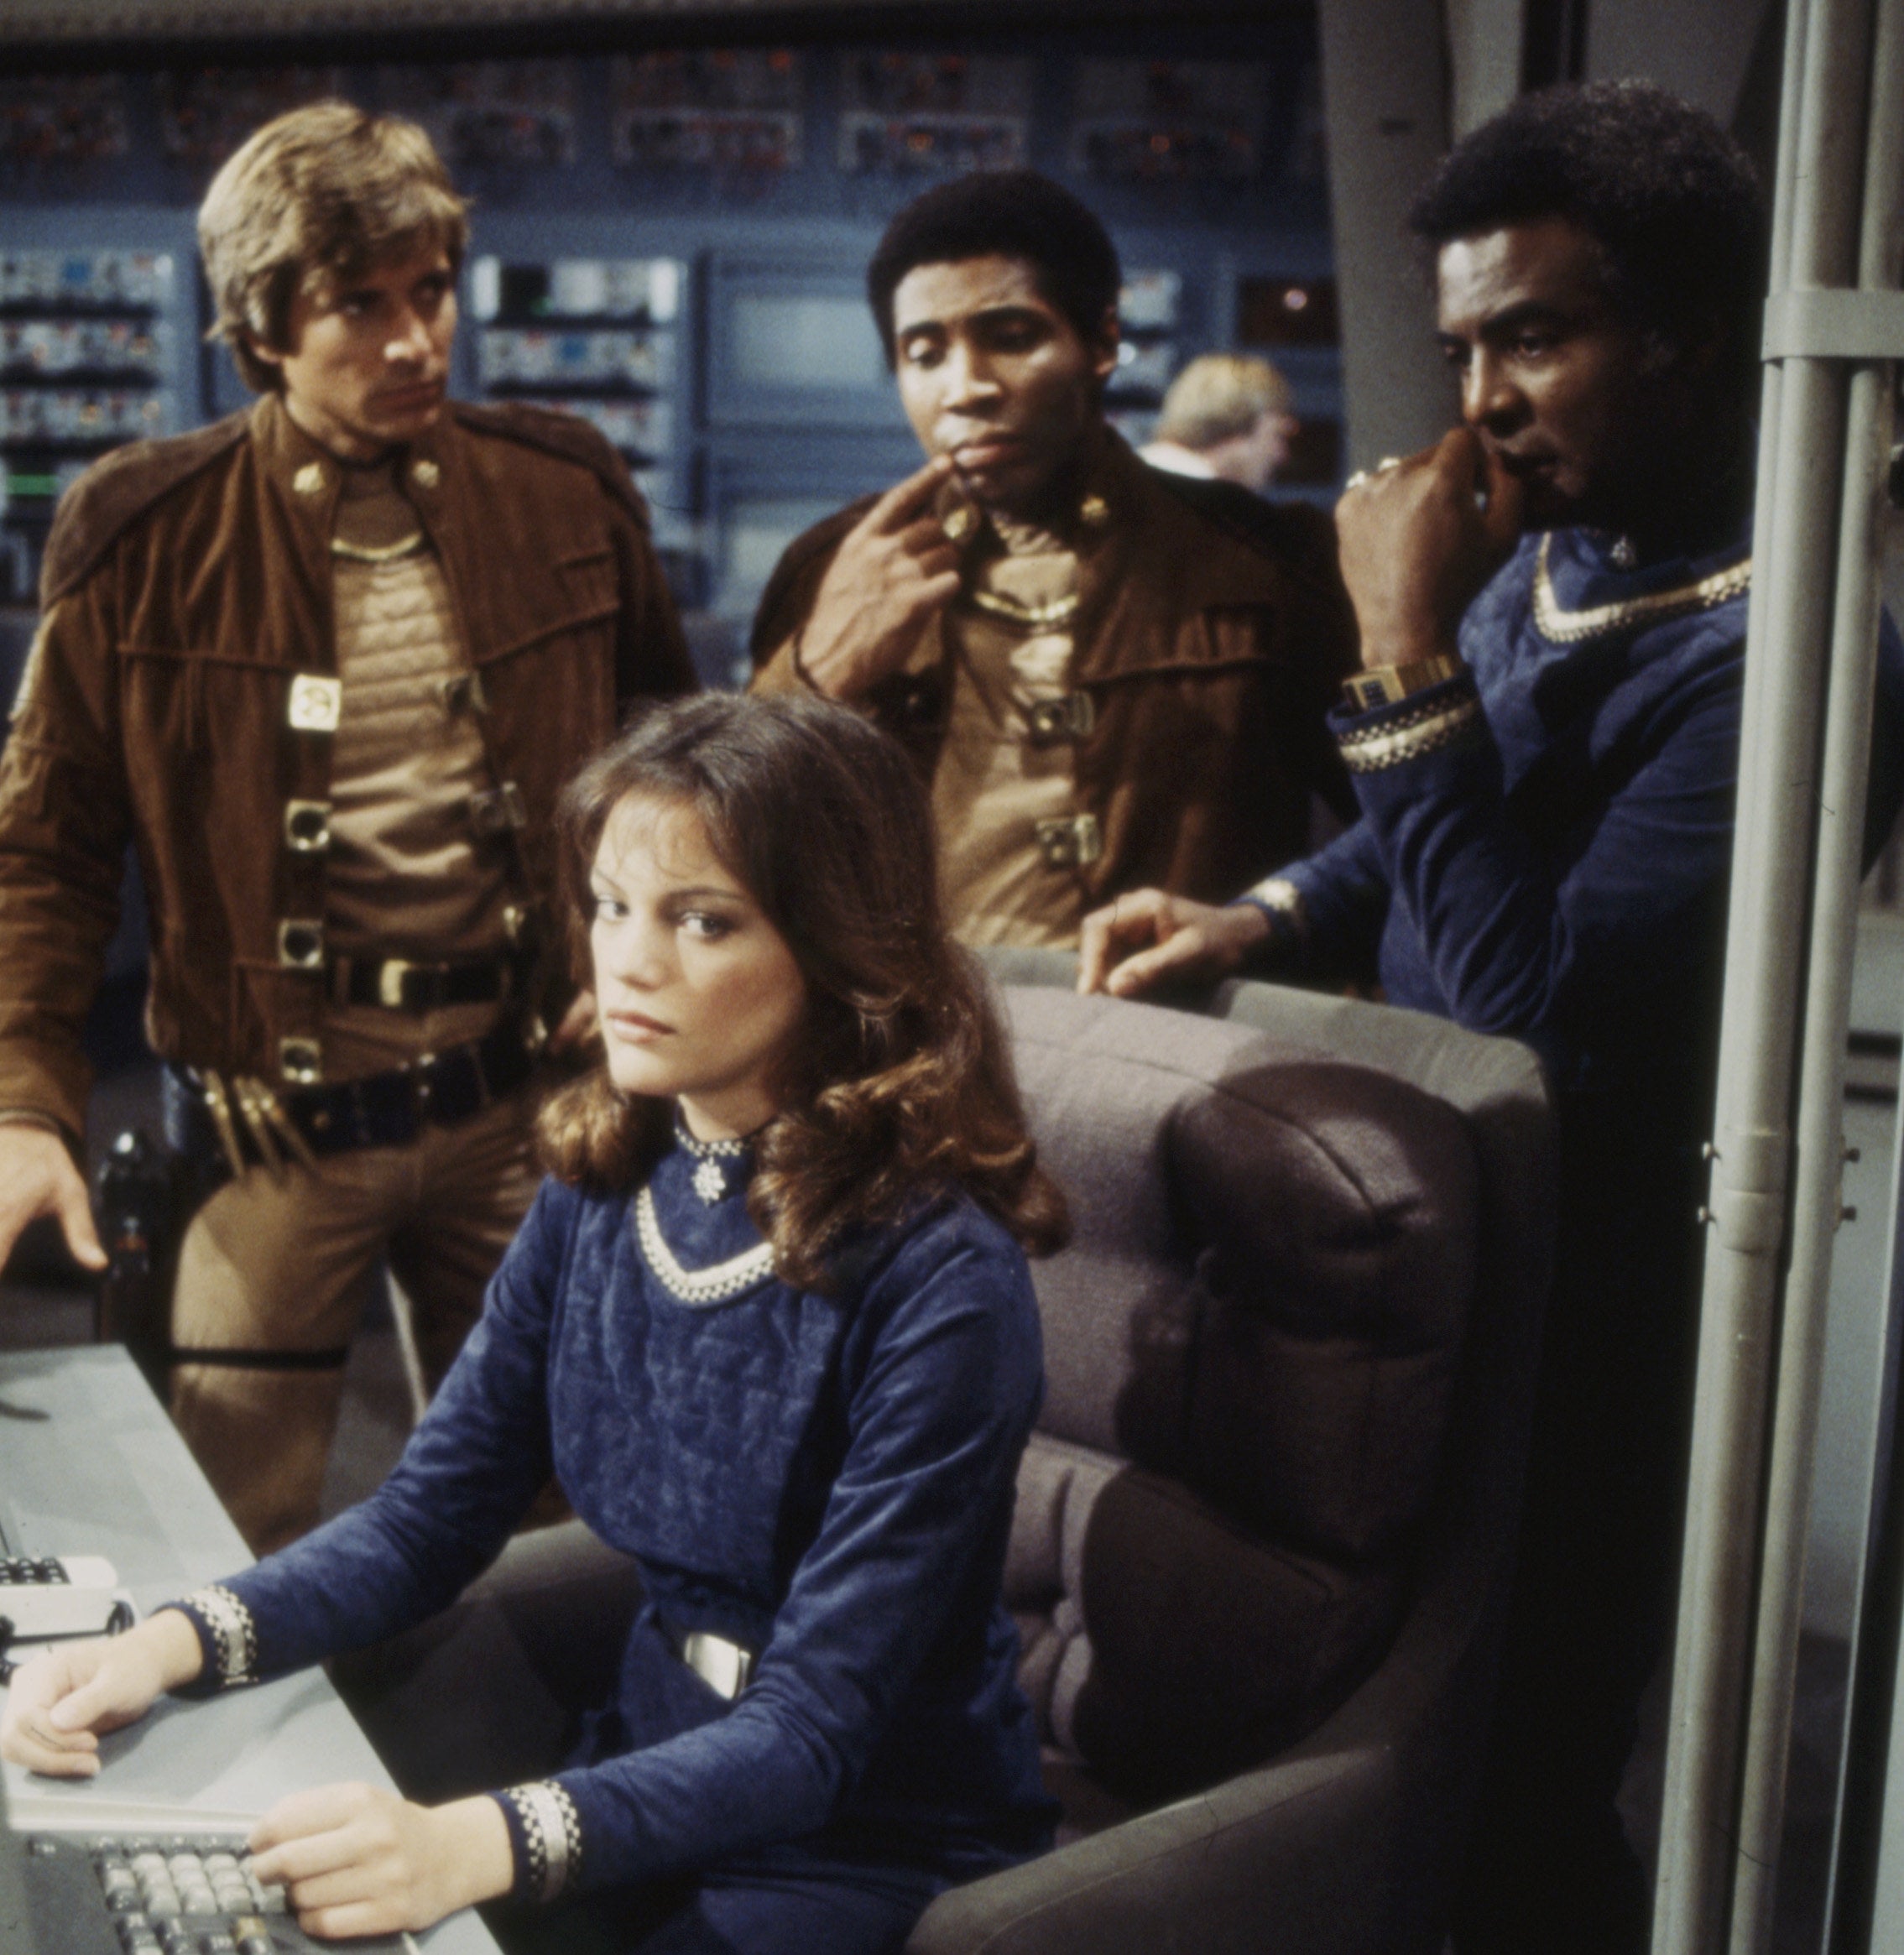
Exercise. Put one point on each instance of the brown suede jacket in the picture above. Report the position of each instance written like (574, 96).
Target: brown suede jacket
(1212, 633)
(187, 609)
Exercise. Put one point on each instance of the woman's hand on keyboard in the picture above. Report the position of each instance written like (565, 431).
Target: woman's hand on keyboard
(356, 1859)
(59, 1703)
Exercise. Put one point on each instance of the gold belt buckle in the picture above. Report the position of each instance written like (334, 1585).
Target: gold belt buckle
(300, 942)
(1070, 843)
(1054, 721)
(724, 1666)
(390, 976)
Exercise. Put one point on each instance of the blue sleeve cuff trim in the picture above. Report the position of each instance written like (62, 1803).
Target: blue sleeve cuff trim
(226, 1663)
(544, 1838)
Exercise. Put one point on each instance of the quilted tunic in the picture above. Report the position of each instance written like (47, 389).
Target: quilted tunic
(826, 1479)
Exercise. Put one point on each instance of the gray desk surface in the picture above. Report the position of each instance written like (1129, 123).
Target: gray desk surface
(105, 1473)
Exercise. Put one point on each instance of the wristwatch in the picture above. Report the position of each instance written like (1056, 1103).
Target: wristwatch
(1389, 685)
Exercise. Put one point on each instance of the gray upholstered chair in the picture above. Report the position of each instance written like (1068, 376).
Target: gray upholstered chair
(1264, 1532)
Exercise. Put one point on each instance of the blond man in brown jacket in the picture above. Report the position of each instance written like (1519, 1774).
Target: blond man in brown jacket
(324, 665)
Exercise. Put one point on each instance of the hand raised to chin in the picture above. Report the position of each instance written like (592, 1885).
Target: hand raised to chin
(1418, 539)
(894, 569)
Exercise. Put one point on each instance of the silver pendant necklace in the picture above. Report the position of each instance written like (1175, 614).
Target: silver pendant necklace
(711, 1158)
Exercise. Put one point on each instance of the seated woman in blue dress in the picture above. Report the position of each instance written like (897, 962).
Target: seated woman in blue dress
(770, 1325)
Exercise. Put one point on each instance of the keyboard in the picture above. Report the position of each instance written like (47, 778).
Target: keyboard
(120, 1894)
(52, 1597)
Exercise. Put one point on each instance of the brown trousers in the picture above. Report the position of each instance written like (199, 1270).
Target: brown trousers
(284, 1263)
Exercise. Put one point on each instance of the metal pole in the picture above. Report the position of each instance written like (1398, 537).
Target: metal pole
(1866, 1765)
(1765, 516)
(1818, 1195)
(1384, 96)
(1752, 1147)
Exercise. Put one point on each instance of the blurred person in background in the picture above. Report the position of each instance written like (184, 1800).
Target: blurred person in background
(1226, 417)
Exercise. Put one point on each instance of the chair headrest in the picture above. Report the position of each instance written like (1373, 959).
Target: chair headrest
(1273, 1258)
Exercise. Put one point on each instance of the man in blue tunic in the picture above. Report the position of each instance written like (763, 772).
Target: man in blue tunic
(1544, 742)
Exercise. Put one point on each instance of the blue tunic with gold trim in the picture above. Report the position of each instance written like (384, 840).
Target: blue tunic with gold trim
(1554, 866)
(1544, 851)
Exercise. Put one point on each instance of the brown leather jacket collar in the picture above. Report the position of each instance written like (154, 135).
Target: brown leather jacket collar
(1118, 500)
(1213, 634)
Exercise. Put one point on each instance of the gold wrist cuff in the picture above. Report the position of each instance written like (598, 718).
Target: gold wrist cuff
(234, 1633)
(1389, 685)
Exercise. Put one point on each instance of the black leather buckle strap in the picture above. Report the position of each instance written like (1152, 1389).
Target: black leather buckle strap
(389, 1108)
(402, 984)
(386, 1109)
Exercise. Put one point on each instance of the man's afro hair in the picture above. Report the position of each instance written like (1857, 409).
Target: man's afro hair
(1007, 213)
(1671, 198)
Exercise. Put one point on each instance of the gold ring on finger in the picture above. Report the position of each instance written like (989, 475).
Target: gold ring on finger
(1386, 463)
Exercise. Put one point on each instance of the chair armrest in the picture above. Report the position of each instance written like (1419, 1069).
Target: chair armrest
(1300, 1844)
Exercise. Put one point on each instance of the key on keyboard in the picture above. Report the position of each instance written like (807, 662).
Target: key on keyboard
(177, 1894)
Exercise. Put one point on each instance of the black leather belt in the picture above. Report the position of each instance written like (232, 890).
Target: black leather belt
(386, 1109)
(401, 984)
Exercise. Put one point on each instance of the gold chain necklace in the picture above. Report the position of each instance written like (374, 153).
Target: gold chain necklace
(1034, 617)
(378, 552)
(1567, 628)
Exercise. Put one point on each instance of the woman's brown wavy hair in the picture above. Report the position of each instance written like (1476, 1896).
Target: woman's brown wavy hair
(900, 1085)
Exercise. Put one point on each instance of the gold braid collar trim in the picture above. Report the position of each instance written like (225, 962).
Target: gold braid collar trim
(714, 1285)
(1567, 628)
(1410, 736)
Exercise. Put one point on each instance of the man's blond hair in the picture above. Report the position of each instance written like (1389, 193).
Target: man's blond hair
(312, 200)
(1217, 396)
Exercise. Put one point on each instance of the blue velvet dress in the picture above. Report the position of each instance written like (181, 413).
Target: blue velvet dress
(826, 1480)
